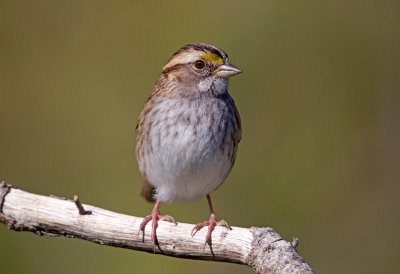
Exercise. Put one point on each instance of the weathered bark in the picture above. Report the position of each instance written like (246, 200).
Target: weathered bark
(260, 248)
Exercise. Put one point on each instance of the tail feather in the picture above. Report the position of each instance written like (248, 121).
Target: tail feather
(147, 191)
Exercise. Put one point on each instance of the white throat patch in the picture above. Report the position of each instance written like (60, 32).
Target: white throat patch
(220, 85)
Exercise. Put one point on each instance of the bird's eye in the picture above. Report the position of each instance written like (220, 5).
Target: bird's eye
(199, 64)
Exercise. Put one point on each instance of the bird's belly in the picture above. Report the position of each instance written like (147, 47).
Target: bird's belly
(186, 163)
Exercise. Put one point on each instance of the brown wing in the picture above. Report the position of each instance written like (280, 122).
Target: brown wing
(147, 190)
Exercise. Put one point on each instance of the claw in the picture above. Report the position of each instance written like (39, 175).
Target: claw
(224, 223)
(167, 218)
(211, 223)
(154, 217)
(198, 227)
(143, 224)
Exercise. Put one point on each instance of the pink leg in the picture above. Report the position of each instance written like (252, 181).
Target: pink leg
(211, 223)
(154, 217)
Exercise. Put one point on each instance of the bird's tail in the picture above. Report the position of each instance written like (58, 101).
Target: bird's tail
(147, 191)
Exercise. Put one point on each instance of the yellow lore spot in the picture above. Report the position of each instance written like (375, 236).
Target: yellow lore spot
(211, 57)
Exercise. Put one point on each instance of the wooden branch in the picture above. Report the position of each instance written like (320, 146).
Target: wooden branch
(260, 248)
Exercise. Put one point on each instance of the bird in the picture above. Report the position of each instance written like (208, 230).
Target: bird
(188, 133)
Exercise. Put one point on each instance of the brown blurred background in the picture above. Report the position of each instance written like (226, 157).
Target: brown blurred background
(319, 100)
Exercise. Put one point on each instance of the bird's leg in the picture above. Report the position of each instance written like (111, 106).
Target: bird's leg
(211, 223)
(154, 217)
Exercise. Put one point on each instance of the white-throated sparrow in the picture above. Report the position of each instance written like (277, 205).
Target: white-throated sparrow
(188, 132)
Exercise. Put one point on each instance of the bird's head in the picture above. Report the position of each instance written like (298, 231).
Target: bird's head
(199, 67)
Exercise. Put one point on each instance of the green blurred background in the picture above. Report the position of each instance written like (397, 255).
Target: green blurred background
(320, 106)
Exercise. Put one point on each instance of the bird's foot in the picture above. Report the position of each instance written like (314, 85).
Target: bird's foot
(211, 223)
(154, 217)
